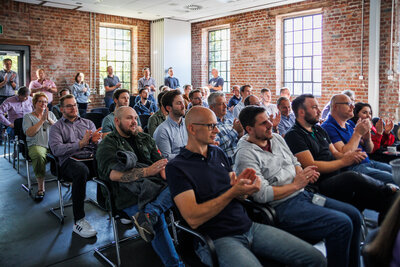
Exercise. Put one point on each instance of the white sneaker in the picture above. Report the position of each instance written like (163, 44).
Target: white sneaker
(125, 221)
(84, 229)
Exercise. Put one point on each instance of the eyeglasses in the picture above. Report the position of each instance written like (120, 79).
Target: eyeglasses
(211, 126)
(70, 106)
(42, 101)
(346, 103)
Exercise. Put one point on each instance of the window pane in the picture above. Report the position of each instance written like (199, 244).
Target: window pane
(289, 76)
(103, 44)
(306, 62)
(290, 86)
(298, 23)
(103, 66)
(308, 22)
(317, 61)
(127, 45)
(118, 45)
(317, 89)
(118, 34)
(307, 75)
(219, 54)
(308, 49)
(298, 75)
(289, 63)
(110, 44)
(298, 89)
(298, 50)
(288, 25)
(118, 67)
(317, 35)
(289, 38)
(308, 36)
(288, 50)
(103, 32)
(307, 88)
(118, 56)
(110, 55)
(110, 33)
(103, 54)
(127, 35)
(317, 49)
(298, 37)
(317, 21)
(317, 75)
(298, 63)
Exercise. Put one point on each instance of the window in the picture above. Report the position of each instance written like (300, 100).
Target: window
(115, 51)
(302, 54)
(219, 55)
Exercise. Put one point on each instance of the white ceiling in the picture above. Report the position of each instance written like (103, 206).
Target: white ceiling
(157, 9)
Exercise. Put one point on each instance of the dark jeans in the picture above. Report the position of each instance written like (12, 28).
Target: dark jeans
(360, 190)
(77, 172)
(338, 223)
(108, 101)
(83, 106)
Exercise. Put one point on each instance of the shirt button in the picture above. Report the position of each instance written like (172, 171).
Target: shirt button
(202, 158)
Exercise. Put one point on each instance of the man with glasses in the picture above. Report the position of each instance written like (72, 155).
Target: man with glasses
(206, 191)
(72, 139)
(230, 131)
(327, 109)
(196, 99)
(171, 135)
(347, 137)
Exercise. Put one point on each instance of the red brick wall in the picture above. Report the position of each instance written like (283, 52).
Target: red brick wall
(61, 40)
(253, 49)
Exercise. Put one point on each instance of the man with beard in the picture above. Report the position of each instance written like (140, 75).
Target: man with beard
(312, 147)
(149, 169)
(309, 216)
(145, 106)
(72, 137)
(171, 135)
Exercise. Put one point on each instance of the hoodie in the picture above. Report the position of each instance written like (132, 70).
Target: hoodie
(274, 169)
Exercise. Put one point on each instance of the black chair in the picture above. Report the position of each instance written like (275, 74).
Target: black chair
(104, 111)
(22, 148)
(185, 237)
(143, 121)
(96, 118)
(7, 144)
(55, 169)
(105, 189)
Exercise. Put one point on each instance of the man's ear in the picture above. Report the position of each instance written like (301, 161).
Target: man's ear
(190, 129)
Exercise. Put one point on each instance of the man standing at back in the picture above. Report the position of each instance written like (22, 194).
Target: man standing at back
(111, 82)
(206, 192)
(171, 81)
(216, 83)
(8, 81)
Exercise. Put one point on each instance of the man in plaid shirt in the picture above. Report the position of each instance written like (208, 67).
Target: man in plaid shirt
(230, 130)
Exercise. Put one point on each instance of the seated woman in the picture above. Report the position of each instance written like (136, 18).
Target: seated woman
(380, 133)
(36, 126)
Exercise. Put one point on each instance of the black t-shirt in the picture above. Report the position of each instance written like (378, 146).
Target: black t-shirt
(208, 178)
(317, 142)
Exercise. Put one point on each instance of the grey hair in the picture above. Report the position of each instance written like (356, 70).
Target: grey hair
(212, 98)
(119, 111)
(349, 93)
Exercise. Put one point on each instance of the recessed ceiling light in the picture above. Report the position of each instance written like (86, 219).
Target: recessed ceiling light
(173, 4)
(78, 3)
(193, 7)
(140, 12)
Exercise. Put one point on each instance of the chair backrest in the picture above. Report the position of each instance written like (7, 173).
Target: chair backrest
(18, 131)
(96, 118)
(143, 121)
(104, 111)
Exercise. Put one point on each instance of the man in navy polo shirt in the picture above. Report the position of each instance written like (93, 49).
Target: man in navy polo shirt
(171, 81)
(216, 83)
(346, 136)
(205, 190)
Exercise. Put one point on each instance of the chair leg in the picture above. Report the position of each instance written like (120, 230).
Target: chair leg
(5, 145)
(9, 148)
(116, 238)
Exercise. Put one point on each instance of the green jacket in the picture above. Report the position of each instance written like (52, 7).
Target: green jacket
(146, 151)
(154, 121)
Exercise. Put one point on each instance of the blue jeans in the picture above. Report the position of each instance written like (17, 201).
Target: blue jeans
(377, 170)
(10, 132)
(262, 243)
(108, 101)
(162, 242)
(337, 223)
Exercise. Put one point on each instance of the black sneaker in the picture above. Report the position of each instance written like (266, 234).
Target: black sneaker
(143, 226)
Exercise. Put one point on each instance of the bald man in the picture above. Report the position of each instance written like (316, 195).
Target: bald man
(139, 189)
(216, 83)
(205, 190)
(347, 136)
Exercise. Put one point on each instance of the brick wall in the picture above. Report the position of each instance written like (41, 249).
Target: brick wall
(253, 49)
(59, 40)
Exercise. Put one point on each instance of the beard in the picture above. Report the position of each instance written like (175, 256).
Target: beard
(310, 120)
(178, 112)
(128, 131)
(264, 136)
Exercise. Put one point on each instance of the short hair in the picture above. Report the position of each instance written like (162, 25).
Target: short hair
(212, 98)
(282, 98)
(186, 86)
(6, 59)
(161, 88)
(145, 68)
(299, 102)
(142, 89)
(118, 112)
(349, 93)
(333, 100)
(38, 70)
(76, 76)
(62, 99)
(193, 92)
(244, 87)
(159, 98)
(247, 100)
(118, 92)
(169, 97)
(170, 68)
(247, 116)
(63, 90)
(283, 89)
(23, 91)
(236, 86)
(357, 107)
(264, 90)
(109, 67)
(36, 97)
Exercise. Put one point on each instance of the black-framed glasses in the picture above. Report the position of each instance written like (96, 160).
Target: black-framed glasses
(346, 103)
(70, 106)
(211, 126)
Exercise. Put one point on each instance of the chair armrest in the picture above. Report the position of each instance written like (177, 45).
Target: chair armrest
(203, 238)
(260, 213)
(108, 207)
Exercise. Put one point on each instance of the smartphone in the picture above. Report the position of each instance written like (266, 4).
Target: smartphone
(318, 200)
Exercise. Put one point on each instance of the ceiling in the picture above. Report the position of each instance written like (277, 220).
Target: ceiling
(185, 10)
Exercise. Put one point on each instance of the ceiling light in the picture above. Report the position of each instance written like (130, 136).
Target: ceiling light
(193, 7)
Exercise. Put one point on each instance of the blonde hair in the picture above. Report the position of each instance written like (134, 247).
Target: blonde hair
(36, 97)
(37, 72)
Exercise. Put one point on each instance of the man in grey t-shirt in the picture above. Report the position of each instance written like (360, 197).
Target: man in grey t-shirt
(111, 82)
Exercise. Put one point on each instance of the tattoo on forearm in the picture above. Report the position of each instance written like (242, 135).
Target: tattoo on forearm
(133, 175)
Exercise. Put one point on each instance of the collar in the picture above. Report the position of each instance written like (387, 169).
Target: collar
(187, 154)
(174, 123)
(334, 122)
(67, 120)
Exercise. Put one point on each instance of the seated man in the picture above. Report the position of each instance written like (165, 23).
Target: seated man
(147, 211)
(312, 147)
(347, 136)
(252, 100)
(75, 136)
(121, 99)
(187, 88)
(245, 91)
(145, 106)
(157, 118)
(56, 108)
(327, 109)
(150, 96)
(230, 130)
(287, 117)
(206, 192)
(195, 98)
(235, 99)
(15, 107)
(272, 109)
(171, 135)
(308, 216)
